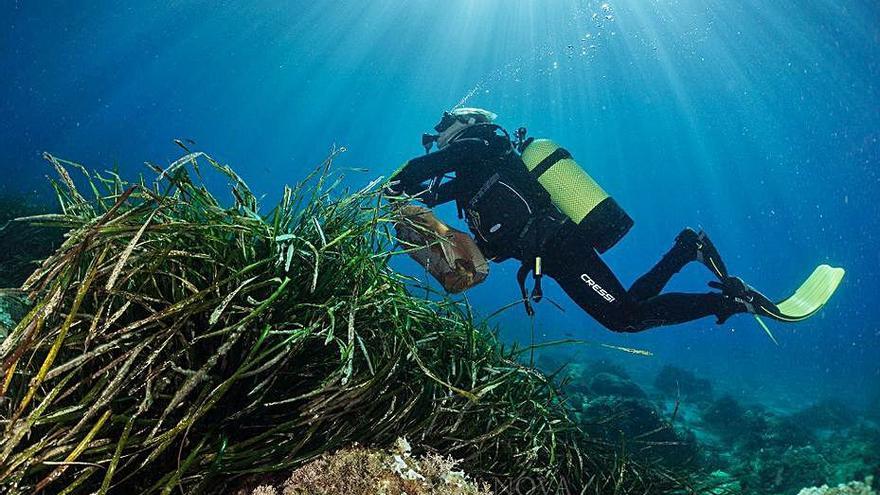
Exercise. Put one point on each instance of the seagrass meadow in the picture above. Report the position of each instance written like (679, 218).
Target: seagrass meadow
(179, 345)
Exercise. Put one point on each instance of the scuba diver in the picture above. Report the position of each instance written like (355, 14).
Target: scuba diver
(526, 199)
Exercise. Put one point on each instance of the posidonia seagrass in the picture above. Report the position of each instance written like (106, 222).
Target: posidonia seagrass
(176, 344)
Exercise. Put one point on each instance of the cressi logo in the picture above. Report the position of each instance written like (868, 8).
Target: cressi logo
(597, 288)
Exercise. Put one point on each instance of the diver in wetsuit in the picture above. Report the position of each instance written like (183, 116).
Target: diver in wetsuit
(504, 191)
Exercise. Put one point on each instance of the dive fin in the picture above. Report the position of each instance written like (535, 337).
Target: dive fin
(766, 329)
(807, 300)
(811, 295)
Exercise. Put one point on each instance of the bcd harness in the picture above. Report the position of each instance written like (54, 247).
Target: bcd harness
(573, 197)
(532, 263)
(523, 272)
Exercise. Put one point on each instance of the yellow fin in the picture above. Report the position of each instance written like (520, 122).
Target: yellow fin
(812, 294)
(766, 329)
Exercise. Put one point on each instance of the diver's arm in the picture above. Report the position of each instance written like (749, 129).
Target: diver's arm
(410, 178)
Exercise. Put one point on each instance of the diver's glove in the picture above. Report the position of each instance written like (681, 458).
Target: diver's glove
(392, 190)
(397, 199)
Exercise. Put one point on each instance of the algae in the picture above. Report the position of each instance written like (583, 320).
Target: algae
(360, 471)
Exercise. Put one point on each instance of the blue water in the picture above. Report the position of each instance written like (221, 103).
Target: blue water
(757, 121)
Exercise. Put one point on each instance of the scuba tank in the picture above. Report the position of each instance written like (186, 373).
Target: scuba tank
(574, 192)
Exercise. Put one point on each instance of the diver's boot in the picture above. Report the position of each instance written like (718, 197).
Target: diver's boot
(738, 297)
(703, 250)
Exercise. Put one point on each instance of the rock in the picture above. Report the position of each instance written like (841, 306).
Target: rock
(829, 413)
(722, 483)
(608, 384)
(754, 428)
(773, 471)
(612, 416)
(550, 362)
(636, 423)
(606, 366)
(676, 382)
(874, 402)
(762, 430)
(855, 454)
(724, 417)
(609, 379)
(777, 454)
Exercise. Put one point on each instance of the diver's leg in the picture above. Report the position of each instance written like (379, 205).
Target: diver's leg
(650, 284)
(594, 287)
(689, 246)
(589, 283)
(676, 307)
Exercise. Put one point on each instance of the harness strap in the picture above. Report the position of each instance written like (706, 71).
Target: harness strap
(551, 159)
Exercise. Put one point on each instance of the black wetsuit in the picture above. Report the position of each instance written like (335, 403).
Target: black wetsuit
(512, 216)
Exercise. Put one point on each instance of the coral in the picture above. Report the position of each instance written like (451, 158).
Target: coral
(851, 488)
(361, 471)
(829, 413)
(676, 382)
(608, 384)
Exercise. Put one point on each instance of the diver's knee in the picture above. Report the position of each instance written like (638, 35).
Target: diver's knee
(625, 319)
(626, 326)
(617, 326)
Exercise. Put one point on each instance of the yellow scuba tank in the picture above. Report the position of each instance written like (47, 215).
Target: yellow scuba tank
(576, 194)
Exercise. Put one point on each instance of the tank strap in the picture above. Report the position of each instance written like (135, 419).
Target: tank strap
(549, 161)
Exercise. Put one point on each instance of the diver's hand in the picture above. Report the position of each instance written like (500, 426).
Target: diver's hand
(392, 190)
